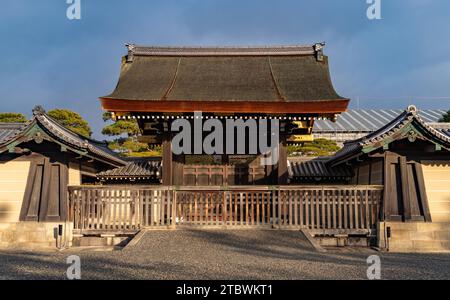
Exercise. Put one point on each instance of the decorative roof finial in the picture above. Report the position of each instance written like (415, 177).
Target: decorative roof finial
(318, 48)
(130, 55)
(130, 47)
(412, 109)
(38, 110)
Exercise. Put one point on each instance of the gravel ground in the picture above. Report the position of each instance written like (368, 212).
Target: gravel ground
(215, 254)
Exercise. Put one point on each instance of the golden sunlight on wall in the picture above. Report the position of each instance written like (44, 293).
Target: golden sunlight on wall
(74, 175)
(437, 182)
(13, 181)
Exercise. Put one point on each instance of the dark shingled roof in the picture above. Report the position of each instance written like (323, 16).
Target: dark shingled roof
(8, 130)
(296, 73)
(140, 169)
(298, 169)
(397, 129)
(317, 169)
(49, 128)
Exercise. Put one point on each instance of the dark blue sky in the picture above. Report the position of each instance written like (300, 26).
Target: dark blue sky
(389, 63)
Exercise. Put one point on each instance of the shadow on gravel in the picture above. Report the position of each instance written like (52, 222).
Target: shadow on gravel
(222, 254)
(52, 266)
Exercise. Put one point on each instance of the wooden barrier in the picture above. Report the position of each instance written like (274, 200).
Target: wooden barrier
(131, 208)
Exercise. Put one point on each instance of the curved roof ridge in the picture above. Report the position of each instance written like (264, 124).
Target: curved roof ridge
(392, 130)
(64, 136)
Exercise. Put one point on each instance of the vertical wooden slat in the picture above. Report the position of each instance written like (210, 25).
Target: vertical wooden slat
(323, 200)
(356, 207)
(252, 208)
(301, 201)
(263, 208)
(89, 209)
(241, 208)
(351, 209)
(345, 206)
(307, 210)
(195, 209)
(218, 214)
(258, 204)
(366, 207)
(152, 198)
(313, 208)
(329, 200)
(334, 200)
(280, 207)
(291, 215)
(296, 207)
(340, 208)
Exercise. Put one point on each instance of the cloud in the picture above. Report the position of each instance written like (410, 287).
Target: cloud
(49, 60)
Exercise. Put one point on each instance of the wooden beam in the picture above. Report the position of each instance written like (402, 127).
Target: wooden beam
(282, 161)
(260, 107)
(405, 182)
(390, 198)
(167, 159)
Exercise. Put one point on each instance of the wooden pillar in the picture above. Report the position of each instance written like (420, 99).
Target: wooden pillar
(282, 161)
(391, 193)
(167, 159)
(405, 189)
(178, 167)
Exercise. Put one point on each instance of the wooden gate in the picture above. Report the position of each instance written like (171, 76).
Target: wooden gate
(318, 207)
(220, 175)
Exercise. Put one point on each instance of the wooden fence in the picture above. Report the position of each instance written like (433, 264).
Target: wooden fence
(132, 208)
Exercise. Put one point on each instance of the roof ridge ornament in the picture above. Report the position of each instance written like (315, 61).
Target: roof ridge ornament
(131, 48)
(412, 109)
(38, 110)
(318, 48)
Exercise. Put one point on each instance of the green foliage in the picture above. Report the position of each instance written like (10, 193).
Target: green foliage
(126, 146)
(445, 118)
(319, 147)
(72, 121)
(132, 148)
(12, 118)
(121, 127)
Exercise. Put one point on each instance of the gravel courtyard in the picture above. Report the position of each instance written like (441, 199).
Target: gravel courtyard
(231, 254)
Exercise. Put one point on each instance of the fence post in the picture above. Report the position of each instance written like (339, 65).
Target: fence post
(174, 208)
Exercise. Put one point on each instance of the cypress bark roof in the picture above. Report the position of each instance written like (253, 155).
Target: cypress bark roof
(291, 74)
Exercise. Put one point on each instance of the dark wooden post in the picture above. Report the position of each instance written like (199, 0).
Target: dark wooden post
(167, 159)
(282, 161)
(178, 167)
(390, 198)
(405, 189)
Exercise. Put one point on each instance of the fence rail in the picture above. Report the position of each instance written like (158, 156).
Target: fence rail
(132, 208)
